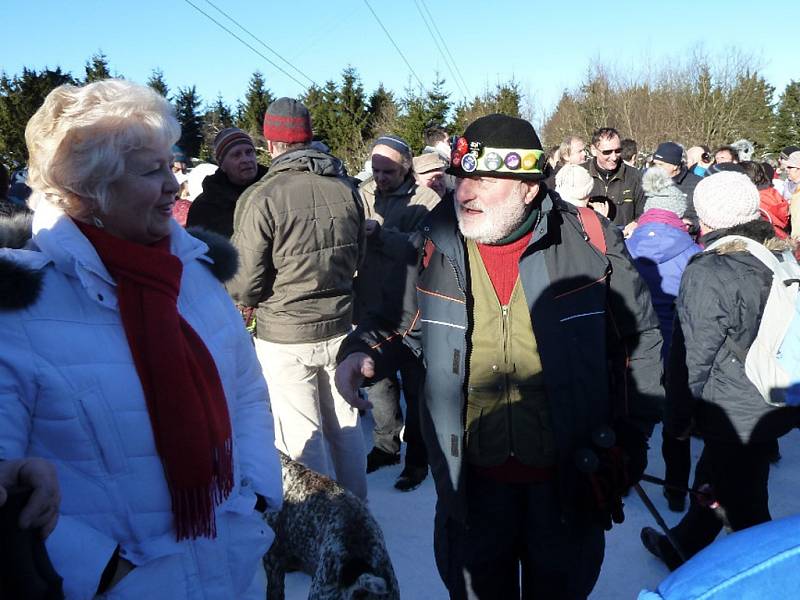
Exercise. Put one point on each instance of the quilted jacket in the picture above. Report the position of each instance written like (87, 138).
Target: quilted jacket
(69, 392)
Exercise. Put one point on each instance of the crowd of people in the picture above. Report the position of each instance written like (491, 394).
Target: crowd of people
(520, 320)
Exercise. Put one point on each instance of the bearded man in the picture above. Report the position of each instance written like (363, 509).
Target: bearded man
(543, 370)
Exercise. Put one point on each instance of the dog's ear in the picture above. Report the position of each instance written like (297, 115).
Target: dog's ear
(373, 584)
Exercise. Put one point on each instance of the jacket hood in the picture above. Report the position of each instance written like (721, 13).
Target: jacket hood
(658, 242)
(310, 160)
(760, 231)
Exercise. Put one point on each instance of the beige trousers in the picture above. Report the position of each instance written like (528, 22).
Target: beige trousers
(313, 423)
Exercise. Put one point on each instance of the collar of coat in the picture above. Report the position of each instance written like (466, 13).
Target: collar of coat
(759, 231)
(23, 256)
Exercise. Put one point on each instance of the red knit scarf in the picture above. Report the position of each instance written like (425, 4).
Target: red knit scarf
(182, 388)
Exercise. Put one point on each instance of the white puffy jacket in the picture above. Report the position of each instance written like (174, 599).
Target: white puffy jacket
(69, 392)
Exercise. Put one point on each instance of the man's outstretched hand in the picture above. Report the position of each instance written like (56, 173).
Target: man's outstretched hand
(349, 376)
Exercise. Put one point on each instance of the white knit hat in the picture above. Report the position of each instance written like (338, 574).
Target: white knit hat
(726, 199)
(573, 183)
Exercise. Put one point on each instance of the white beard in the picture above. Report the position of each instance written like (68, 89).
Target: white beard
(496, 221)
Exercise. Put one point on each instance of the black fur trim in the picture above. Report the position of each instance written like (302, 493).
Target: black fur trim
(19, 287)
(760, 231)
(220, 250)
(15, 230)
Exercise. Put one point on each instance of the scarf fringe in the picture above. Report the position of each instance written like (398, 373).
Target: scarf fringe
(194, 508)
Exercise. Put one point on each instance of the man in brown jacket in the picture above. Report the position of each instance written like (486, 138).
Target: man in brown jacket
(394, 204)
(299, 232)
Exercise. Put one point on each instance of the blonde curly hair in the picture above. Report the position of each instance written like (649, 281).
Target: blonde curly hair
(78, 139)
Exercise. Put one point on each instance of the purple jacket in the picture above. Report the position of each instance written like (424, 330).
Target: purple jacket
(661, 249)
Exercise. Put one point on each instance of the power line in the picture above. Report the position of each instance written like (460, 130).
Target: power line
(282, 70)
(441, 52)
(396, 47)
(444, 43)
(252, 35)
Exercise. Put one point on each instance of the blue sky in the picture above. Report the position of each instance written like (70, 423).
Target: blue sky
(545, 46)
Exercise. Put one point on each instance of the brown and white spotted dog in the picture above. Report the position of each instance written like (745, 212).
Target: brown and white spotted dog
(327, 532)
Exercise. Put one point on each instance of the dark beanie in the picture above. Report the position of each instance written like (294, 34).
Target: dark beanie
(499, 146)
(670, 153)
(287, 120)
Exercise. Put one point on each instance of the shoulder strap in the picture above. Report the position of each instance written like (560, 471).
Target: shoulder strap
(753, 247)
(592, 228)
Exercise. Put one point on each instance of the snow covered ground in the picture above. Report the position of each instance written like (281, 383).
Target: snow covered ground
(407, 522)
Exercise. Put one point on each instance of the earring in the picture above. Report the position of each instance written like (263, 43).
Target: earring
(97, 222)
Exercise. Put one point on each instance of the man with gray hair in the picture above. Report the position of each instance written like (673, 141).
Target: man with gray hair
(299, 233)
(394, 204)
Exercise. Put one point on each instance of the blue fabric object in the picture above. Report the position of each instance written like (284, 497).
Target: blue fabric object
(755, 563)
(661, 253)
(699, 171)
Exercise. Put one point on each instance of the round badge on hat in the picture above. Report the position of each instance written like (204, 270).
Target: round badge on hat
(493, 161)
(469, 163)
(529, 162)
(513, 161)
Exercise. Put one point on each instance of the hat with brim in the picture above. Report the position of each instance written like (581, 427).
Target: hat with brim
(430, 161)
(498, 146)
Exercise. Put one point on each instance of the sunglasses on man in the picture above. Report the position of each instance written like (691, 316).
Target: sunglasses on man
(610, 151)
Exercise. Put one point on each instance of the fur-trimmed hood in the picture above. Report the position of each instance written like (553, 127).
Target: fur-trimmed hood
(21, 263)
(760, 231)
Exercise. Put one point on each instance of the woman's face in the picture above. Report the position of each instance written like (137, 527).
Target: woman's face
(140, 202)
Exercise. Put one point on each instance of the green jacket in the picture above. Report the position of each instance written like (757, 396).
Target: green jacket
(399, 214)
(300, 236)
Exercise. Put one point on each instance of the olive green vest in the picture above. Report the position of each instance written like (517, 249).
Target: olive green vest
(507, 410)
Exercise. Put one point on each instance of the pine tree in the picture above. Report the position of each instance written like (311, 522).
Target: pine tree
(215, 119)
(20, 97)
(250, 115)
(382, 113)
(187, 105)
(157, 82)
(96, 68)
(786, 131)
(756, 117)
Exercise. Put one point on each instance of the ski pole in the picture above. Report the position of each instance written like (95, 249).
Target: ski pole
(679, 488)
(660, 520)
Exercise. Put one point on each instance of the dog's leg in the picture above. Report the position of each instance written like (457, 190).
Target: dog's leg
(275, 576)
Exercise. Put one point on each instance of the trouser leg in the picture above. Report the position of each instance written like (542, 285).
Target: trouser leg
(413, 378)
(385, 398)
(559, 560)
(479, 560)
(342, 429)
(294, 397)
(677, 462)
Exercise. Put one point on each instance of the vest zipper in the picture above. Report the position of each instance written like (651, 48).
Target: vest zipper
(505, 332)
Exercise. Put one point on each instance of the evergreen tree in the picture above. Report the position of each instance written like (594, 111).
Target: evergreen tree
(158, 83)
(187, 105)
(97, 68)
(753, 97)
(786, 131)
(215, 119)
(437, 103)
(250, 115)
(20, 97)
(382, 113)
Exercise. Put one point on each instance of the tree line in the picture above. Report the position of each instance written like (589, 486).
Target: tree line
(344, 115)
(697, 101)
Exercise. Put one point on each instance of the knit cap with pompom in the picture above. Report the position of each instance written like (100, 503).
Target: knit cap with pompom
(661, 192)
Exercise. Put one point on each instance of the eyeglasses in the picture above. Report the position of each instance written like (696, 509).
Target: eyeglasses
(610, 151)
